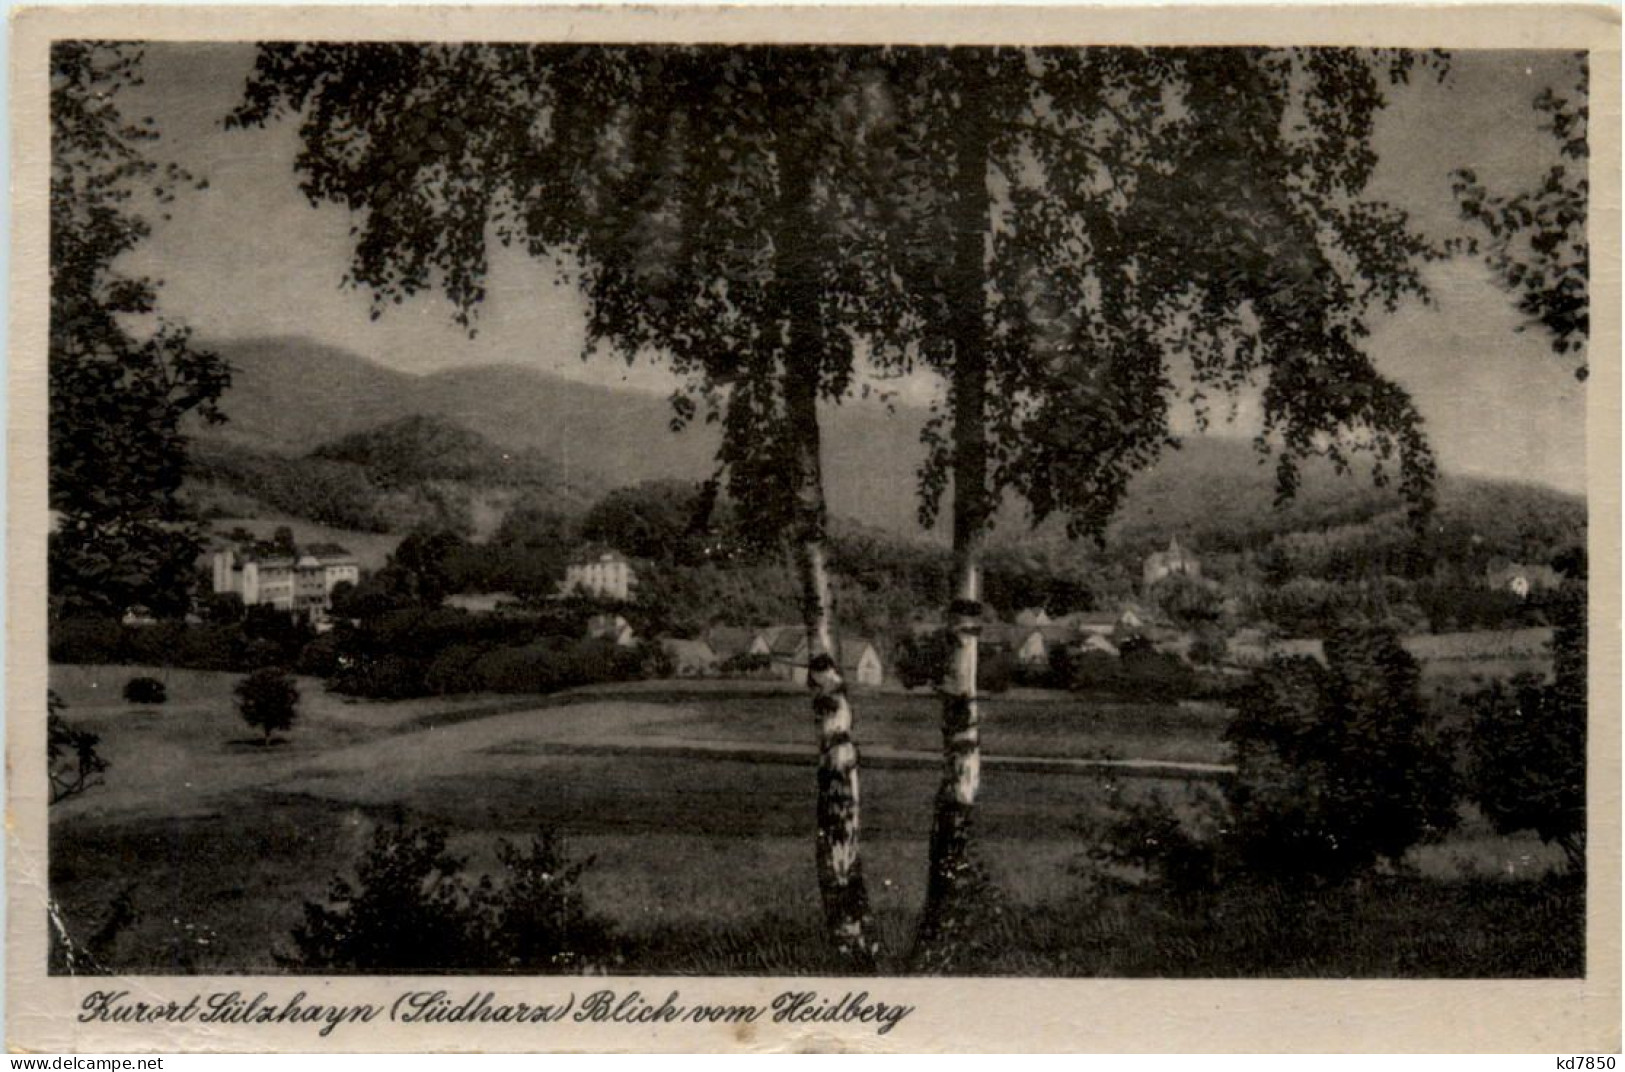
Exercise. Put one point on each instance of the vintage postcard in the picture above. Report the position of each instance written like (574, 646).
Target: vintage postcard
(770, 529)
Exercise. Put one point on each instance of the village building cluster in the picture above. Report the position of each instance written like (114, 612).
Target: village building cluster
(302, 581)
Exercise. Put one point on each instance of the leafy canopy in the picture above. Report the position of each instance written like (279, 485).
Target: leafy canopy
(1536, 238)
(117, 399)
(1149, 219)
(694, 194)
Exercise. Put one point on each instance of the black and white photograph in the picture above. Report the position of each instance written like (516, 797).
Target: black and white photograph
(849, 511)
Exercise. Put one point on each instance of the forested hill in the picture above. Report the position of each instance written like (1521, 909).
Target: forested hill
(352, 420)
(1219, 494)
(289, 394)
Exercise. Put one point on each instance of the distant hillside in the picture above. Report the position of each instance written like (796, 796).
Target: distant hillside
(474, 424)
(1219, 494)
(290, 393)
(400, 475)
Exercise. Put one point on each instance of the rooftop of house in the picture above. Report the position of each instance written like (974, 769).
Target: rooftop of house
(785, 639)
(592, 556)
(311, 556)
(730, 639)
(688, 649)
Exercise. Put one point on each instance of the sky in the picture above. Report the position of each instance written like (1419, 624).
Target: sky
(250, 256)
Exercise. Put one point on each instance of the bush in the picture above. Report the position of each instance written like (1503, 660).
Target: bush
(745, 664)
(1337, 766)
(1185, 855)
(382, 677)
(922, 659)
(1209, 648)
(406, 914)
(72, 763)
(268, 701)
(1140, 672)
(207, 646)
(1527, 758)
(996, 672)
(86, 640)
(452, 671)
(413, 911)
(145, 690)
(536, 920)
(319, 658)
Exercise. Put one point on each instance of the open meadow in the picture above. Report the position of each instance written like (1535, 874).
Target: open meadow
(695, 803)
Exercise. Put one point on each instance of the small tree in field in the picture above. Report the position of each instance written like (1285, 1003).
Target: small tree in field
(268, 700)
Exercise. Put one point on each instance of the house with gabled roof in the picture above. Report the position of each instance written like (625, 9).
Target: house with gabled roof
(730, 642)
(859, 658)
(689, 658)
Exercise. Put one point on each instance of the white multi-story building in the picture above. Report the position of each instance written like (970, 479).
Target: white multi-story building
(608, 576)
(302, 584)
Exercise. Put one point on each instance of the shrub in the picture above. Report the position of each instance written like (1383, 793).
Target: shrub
(268, 700)
(745, 664)
(223, 608)
(452, 671)
(412, 910)
(536, 920)
(1208, 648)
(1140, 672)
(996, 672)
(649, 660)
(1337, 766)
(964, 933)
(922, 659)
(407, 912)
(72, 763)
(1527, 757)
(145, 690)
(381, 677)
(86, 640)
(1184, 854)
(319, 658)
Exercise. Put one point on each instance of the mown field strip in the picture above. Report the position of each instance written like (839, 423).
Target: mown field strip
(874, 756)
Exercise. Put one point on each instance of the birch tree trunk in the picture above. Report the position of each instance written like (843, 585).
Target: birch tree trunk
(840, 870)
(961, 715)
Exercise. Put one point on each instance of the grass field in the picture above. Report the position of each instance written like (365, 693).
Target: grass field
(703, 858)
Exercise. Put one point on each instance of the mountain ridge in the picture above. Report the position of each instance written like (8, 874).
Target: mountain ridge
(290, 394)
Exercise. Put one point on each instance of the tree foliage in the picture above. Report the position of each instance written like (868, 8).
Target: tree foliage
(659, 520)
(145, 690)
(419, 571)
(1136, 205)
(1536, 238)
(268, 700)
(1527, 768)
(660, 176)
(1338, 766)
(73, 764)
(531, 920)
(117, 398)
